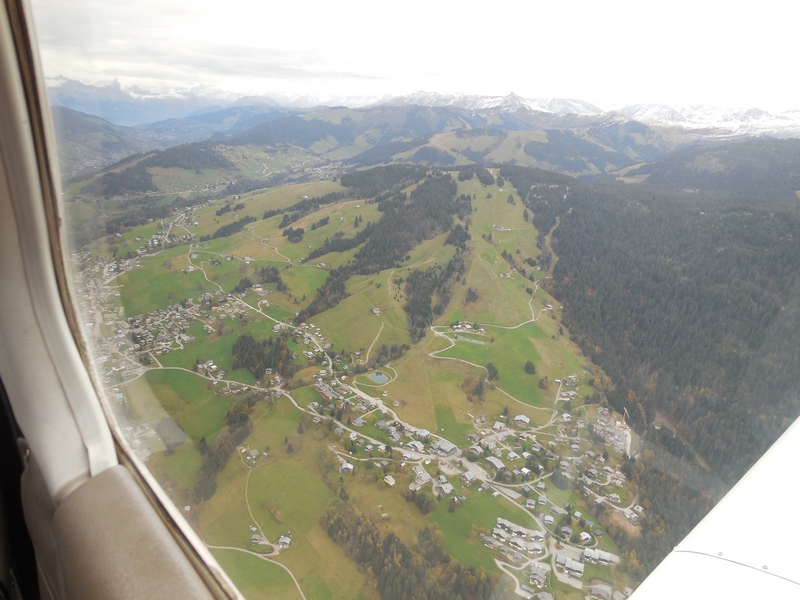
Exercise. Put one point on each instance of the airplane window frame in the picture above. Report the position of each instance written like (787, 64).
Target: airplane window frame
(62, 395)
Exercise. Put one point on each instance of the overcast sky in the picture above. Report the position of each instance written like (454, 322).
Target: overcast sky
(609, 53)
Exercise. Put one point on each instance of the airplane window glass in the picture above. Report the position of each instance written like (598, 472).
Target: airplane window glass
(469, 342)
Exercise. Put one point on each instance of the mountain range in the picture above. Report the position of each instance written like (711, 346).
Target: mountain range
(87, 142)
(99, 125)
(574, 144)
(510, 103)
(136, 106)
(750, 121)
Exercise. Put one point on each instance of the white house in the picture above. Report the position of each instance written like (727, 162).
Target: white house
(444, 448)
(415, 446)
(284, 541)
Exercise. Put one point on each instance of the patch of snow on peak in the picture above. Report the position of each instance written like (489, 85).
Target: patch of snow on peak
(565, 106)
(473, 102)
(749, 121)
(310, 100)
(510, 103)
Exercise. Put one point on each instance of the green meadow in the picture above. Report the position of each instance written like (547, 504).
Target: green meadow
(508, 352)
(449, 427)
(285, 495)
(190, 401)
(478, 512)
(159, 281)
(187, 398)
(256, 578)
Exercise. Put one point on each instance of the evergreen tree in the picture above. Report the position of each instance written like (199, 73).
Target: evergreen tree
(492, 373)
(530, 369)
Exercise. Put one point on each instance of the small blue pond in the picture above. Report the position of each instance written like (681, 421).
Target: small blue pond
(378, 377)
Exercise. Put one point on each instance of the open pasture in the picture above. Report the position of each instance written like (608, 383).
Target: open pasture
(257, 579)
(478, 512)
(186, 397)
(501, 301)
(448, 426)
(350, 325)
(159, 282)
(341, 217)
(508, 352)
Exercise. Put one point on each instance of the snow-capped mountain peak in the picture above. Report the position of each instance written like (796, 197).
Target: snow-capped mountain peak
(473, 102)
(124, 105)
(564, 106)
(509, 103)
(748, 121)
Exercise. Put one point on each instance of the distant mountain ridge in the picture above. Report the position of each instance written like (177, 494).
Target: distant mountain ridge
(501, 133)
(751, 168)
(122, 106)
(136, 106)
(510, 103)
(750, 121)
(209, 124)
(569, 136)
(87, 142)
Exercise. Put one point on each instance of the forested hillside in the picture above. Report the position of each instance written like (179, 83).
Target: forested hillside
(88, 142)
(294, 130)
(690, 305)
(754, 168)
(385, 152)
(567, 151)
(406, 222)
(136, 178)
(426, 571)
